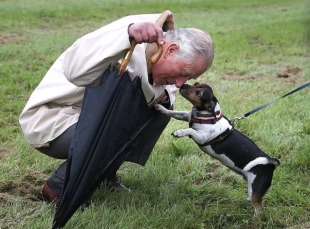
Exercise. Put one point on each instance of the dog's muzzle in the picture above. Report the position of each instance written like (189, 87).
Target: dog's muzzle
(184, 88)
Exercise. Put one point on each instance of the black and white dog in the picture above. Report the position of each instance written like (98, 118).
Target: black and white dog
(216, 136)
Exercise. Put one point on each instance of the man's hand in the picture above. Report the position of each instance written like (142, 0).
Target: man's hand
(146, 32)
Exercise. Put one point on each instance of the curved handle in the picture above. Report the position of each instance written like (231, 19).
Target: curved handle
(166, 21)
(126, 59)
(158, 54)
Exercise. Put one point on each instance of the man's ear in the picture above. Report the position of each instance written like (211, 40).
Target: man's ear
(171, 50)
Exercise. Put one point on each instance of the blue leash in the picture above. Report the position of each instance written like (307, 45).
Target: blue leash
(264, 106)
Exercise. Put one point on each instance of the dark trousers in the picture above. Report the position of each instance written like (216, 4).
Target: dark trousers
(138, 153)
(59, 149)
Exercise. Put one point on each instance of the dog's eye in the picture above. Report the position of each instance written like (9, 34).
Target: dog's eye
(198, 93)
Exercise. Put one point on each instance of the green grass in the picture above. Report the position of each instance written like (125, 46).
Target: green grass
(180, 187)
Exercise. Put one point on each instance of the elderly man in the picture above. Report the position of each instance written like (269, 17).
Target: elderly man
(49, 118)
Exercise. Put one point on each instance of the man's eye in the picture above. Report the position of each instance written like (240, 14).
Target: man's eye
(198, 93)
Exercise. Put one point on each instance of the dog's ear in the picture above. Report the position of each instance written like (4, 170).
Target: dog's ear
(207, 94)
(209, 100)
(209, 89)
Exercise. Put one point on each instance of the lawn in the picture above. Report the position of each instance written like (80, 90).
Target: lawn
(261, 52)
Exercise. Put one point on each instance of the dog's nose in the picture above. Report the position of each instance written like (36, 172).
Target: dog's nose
(184, 86)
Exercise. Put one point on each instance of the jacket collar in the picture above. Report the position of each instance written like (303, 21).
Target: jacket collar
(138, 67)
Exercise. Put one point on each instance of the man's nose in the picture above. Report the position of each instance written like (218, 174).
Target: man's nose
(180, 82)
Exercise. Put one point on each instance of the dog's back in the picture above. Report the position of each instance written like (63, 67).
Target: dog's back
(241, 150)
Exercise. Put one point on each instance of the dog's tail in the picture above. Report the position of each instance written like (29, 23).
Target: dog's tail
(274, 161)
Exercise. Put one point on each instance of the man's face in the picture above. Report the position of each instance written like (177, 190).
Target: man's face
(171, 69)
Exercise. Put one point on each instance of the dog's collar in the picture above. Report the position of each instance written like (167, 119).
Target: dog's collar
(204, 117)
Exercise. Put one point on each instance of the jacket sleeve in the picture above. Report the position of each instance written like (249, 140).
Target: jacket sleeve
(92, 54)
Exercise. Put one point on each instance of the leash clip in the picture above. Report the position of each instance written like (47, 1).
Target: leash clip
(235, 120)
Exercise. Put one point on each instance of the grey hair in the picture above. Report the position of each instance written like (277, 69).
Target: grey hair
(193, 42)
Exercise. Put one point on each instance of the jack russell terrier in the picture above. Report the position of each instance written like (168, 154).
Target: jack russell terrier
(216, 136)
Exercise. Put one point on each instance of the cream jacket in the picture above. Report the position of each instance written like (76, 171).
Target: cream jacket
(55, 104)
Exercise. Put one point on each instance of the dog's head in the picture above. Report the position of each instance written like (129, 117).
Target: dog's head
(200, 95)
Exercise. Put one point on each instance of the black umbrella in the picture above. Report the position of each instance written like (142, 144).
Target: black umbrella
(115, 125)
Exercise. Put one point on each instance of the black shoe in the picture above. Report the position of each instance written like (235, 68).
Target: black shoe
(49, 195)
(114, 184)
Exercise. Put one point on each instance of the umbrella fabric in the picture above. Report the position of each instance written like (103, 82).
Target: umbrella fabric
(115, 125)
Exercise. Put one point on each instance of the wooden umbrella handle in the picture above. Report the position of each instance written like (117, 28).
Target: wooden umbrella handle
(166, 21)
(157, 55)
(126, 59)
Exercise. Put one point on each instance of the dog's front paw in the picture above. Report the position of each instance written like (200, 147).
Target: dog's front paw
(178, 134)
(160, 108)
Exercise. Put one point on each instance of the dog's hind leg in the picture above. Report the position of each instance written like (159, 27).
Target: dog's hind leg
(260, 185)
(257, 203)
(254, 197)
(250, 177)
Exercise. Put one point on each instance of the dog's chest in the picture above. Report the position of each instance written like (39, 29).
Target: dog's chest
(211, 131)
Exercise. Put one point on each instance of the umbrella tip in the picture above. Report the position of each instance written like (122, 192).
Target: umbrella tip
(56, 226)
